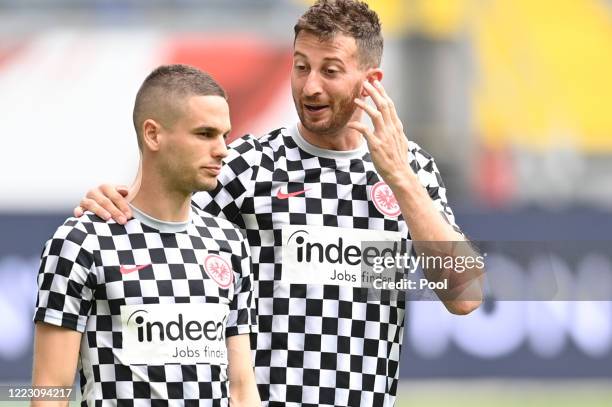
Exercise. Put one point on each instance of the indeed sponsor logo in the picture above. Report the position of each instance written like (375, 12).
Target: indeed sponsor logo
(311, 249)
(330, 255)
(176, 330)
(174, 333)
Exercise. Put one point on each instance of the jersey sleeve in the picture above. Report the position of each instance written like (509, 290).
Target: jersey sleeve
(65, 278)
(427, 171)
(234, 182)
(243, 315)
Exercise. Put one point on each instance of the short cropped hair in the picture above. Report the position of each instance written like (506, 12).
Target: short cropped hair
(352, 18)
(165, 89)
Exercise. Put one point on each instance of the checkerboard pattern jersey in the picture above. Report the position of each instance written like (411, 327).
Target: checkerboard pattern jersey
(81, 288)
(318, 345)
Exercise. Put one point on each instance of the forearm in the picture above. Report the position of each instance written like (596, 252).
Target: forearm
(462, 281)
(55, 359)
(422, 217)
(433, 236)
(243, 389)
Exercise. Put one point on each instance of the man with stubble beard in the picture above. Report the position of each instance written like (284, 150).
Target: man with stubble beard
(328, 185)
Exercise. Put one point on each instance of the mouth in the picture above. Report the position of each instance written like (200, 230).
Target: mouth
(315, 108)
(213, 169)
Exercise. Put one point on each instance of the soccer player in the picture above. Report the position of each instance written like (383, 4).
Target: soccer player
(156, 311)
(312, 197)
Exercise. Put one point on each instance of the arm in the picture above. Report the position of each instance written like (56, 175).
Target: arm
(241, 322)
(434, 236)
(65, 293)
(56, 351)
(243, 390)
(431, 233)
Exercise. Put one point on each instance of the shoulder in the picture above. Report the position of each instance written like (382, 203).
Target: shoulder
(418, 154)
(271, 141)
(77, 238)
(88, 229)
(243, 154)
(78, 230)
(217, 227)
(253, 153)
(423, 164)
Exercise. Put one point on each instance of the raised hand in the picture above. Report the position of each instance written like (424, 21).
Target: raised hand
(387, 142)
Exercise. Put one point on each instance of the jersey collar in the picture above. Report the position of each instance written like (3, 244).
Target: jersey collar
(324, 153)
(161, 225)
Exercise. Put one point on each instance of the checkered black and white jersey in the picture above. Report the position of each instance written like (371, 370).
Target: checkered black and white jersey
(155, 302)
(308, 213)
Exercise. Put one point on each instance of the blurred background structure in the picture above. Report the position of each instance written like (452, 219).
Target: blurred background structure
(512, 98)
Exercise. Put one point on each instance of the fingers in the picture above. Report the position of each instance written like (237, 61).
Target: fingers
(388, 127)
(380, 100)
(106, 202)
(375, 115)
(390, 106)
(373, 141)
(118, 195)
(77, 212)
(362, 128)
(88, 204)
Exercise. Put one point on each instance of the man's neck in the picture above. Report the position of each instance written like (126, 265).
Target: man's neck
(345, 139)
(159, 201)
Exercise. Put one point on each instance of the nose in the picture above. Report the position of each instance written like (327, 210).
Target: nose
(312, 86)
(220, 149)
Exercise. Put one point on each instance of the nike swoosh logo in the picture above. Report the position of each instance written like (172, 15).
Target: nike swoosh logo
(281, 195)
(127, 270)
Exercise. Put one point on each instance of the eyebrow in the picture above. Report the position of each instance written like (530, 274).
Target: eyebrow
(326, 59)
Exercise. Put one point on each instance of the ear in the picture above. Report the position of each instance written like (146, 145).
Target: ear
(151, 135)
(372, 74)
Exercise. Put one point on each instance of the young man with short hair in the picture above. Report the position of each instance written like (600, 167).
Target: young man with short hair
(155, 312)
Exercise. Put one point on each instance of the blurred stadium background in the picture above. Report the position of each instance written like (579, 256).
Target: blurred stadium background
(512, 97)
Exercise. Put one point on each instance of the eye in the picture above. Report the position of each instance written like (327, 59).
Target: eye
(206, 135)
(331, 71)
(300, 67)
